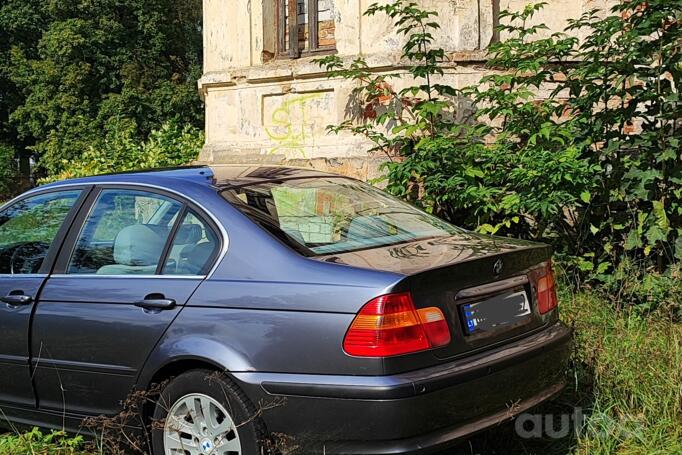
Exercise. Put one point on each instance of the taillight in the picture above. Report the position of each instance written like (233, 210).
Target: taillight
(391, 325)
(547, 298)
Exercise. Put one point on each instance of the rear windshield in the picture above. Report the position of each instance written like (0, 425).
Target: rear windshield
(321, 216)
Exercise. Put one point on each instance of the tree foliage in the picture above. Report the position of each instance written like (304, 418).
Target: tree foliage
(8, 172)
(76, 73)
(171, 145)
(575, 143)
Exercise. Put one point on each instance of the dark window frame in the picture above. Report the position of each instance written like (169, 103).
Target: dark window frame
(285, 26)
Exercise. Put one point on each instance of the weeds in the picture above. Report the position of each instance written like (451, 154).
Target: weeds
(626, 381)
(37, 442)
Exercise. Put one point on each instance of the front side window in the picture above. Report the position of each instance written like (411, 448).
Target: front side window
(29, 227)
(125, 234)
(322, 216)
(305, 26)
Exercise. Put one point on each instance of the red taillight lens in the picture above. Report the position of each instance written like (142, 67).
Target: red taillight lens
(390, 325)
(547, 298)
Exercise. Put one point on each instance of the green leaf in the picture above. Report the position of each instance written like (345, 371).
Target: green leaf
(633, 241)
(585, 266)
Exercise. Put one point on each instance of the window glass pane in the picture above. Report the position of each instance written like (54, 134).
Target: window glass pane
(333, 215)
(194, 248)
(321, 19)
(28, 228)
(124, 234)
(325, 22)
(302, 24)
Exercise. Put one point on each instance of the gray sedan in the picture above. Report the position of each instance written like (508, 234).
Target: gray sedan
(269, 301)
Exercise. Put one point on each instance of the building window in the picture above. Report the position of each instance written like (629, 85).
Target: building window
(310, 22)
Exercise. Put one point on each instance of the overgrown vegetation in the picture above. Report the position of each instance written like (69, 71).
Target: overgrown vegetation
(625, 388)
(81, 80)
(38, 442)
(593, 167)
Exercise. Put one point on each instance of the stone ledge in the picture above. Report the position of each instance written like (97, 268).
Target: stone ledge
(305, 68)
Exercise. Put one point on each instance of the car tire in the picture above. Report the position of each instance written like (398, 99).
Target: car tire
(240, 431)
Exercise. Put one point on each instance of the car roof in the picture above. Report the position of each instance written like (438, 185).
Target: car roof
(217, 176)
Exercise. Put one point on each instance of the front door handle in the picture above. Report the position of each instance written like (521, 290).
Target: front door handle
(17, 299)
(156, 304)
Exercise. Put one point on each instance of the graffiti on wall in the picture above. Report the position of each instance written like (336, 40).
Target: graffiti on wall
(289, 125)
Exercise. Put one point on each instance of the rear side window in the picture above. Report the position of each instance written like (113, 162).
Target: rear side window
(194, 247)
(29, 227)
(321, 216)
(125, 234)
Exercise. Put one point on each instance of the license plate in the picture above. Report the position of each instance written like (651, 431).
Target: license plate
(496, 313)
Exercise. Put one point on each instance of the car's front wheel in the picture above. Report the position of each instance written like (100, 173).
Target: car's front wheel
(202, 412)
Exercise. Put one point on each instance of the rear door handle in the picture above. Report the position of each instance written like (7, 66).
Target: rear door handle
(156, 304)
(17, 299)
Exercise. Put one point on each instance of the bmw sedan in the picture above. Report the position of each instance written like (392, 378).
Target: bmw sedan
(268, 301)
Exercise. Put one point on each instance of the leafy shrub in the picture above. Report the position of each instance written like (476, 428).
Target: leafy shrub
(646, 291)
(171, 145)
(625, 102)
(594, 168)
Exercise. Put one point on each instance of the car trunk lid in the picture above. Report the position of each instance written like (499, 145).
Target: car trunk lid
(473, 279)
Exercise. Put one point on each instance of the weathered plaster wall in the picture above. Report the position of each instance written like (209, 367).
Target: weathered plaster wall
(261, 109)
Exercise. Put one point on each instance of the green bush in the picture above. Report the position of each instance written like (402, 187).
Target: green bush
(594, 168)
(171, 145)
(646, 291)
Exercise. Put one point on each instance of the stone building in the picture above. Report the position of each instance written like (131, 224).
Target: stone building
(267, 102)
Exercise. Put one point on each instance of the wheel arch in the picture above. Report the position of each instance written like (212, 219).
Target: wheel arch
(170, 359)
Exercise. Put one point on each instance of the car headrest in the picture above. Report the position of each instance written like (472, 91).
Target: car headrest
(140, 245)
(189, 234)
(195, 257)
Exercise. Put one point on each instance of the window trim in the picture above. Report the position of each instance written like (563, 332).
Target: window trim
(69, 244)
(294, 52)
(58, 242)
(163, 261)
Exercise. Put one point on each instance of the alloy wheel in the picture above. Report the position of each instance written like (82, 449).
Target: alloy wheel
(199, 425)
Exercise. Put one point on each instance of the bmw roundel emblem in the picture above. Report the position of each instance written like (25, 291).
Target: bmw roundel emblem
(497, 267)
(206, 446)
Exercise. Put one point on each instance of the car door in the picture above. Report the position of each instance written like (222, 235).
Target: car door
(117, 286)
(31, 230)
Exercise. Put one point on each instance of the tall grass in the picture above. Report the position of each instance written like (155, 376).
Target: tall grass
(626, 380)
(630, 368)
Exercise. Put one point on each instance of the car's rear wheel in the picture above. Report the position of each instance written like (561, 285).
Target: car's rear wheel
(203, 413)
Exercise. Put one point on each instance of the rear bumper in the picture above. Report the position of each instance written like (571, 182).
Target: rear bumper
(415, 412)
